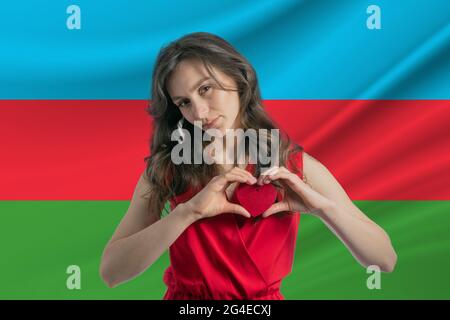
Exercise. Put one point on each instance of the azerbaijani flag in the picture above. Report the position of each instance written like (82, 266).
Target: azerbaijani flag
(373, 105)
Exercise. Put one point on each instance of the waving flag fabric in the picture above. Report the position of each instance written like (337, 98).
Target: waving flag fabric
(373, 105)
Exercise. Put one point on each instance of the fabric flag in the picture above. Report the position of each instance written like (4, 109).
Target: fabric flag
(373, 105)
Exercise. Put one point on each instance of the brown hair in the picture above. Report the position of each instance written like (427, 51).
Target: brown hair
(166, 178)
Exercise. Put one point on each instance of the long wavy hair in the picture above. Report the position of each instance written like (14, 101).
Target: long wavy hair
(166, 178)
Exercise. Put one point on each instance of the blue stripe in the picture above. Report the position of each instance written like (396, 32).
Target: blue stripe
(300, 49)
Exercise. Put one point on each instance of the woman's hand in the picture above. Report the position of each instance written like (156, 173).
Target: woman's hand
(297, 195)
(212, 199)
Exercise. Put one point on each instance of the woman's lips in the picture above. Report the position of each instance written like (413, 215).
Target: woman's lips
(212, 124)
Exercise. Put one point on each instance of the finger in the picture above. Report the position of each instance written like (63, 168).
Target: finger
(246, 178)
(248, 175)
(260, 179)
(289, 178)
(228, 178)
(271, 170)
(242, 171)
(275, 208)
(223, 181)
(294, 176)
(237, 209)
(284, 169)
(264, 173)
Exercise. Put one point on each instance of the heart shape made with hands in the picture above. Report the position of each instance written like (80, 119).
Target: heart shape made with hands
(255, 198)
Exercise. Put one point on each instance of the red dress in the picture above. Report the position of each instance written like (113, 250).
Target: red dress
(230, 257)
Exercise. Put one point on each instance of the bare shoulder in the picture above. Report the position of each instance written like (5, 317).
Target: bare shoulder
(310, 159)
(321, 179)
(312, 168)
(316, 173)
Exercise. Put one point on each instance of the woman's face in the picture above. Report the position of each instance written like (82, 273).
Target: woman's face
(200, 98)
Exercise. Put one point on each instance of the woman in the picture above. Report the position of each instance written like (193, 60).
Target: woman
(217, 249)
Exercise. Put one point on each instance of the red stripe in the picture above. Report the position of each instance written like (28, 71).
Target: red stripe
(94, 149)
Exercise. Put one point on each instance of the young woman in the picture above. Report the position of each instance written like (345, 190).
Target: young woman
(217, 249)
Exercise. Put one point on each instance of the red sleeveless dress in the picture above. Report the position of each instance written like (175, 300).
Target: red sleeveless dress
(230, 257)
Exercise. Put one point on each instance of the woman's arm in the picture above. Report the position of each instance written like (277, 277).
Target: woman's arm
(325, 198)
(141, 238)
(367, 242)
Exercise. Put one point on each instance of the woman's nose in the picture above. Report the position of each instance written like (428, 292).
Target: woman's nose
(200, 110)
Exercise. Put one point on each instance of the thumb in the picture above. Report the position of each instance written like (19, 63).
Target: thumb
(275, 208)
(235, 208)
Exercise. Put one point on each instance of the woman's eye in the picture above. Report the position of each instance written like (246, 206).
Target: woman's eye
(182, 104)
(204, 89)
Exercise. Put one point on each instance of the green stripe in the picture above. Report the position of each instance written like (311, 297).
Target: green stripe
(41, 238)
